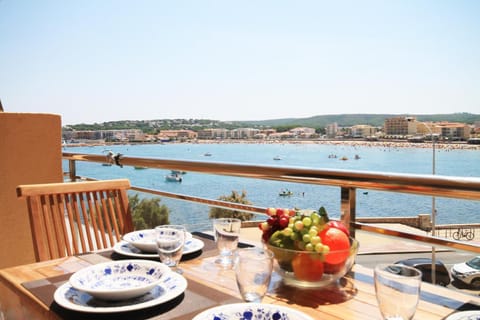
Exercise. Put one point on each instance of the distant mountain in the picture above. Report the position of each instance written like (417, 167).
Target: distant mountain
(317, 122)
(347, 120)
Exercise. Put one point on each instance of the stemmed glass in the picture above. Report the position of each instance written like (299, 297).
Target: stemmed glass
(226, 234)
(397, 289)
(170, 240)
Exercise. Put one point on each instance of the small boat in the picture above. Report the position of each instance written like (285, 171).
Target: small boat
(139, 168)
(357, 157)
(207, 154)
(277, 158)
(343, 158)
(106, 164)
(178, 172)
(174, 178)
(285, 193)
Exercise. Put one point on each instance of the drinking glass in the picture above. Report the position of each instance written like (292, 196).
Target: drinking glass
(397, 288)
(226, 234)
(253, 270)
(170, 240)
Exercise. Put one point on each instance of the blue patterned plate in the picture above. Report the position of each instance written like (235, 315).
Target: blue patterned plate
(171, 286)
(251, 311)
(127, 249)
(119, 280)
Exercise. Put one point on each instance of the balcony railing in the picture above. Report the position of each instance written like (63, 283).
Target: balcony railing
(347, 181)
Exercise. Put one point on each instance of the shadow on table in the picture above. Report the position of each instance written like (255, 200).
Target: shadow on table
(146, 313)
(338, 292)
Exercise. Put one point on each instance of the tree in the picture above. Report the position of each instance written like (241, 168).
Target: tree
(148, 213)
(234, 197)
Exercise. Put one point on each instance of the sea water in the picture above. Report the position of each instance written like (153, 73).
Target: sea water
(370, 203)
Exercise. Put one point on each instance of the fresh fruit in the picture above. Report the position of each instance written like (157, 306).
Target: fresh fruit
(339, 225)
(307, 267)
(325, 242)
(338, 244)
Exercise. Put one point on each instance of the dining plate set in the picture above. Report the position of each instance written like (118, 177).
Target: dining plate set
(119, 286)
(141, 244)
(126, 285)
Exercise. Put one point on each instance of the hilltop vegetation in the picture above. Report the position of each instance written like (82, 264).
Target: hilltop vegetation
(317, 122)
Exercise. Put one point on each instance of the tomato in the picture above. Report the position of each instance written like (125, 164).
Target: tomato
(307, 268)
(338, 243)
(338, 225)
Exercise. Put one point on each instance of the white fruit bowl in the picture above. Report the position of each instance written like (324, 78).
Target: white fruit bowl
(309, 275)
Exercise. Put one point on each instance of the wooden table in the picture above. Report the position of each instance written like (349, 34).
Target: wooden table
(26, 292)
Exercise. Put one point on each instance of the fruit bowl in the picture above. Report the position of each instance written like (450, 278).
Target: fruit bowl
(310, 269)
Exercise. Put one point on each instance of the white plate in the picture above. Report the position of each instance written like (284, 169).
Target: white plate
(172, 286)
(145, 239)
(119, 280)
(465, 315)
(127, 249)
(257, 311)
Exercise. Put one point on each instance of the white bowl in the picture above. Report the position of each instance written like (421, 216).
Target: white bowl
(144, 240)
(119, 280)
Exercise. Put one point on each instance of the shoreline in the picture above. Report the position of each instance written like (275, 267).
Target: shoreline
(352, 143)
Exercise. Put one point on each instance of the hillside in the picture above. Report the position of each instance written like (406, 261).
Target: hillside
(347, 120)
(318, 122)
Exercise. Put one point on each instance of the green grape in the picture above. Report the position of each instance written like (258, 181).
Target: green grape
(315, 218)
(313, 231)
(306, 238)
(307, 221)
(309, 247)
(319, 248)
(299, 225)
(287, 232)
(325, 249)
(315, 240)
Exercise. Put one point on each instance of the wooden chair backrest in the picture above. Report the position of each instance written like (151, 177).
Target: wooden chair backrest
(76, 217)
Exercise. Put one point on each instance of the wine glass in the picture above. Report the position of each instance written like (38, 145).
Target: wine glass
(397, 288)
(170, 240)
(226, 234)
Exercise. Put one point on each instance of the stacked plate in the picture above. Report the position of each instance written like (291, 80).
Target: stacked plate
(119, 286)
(257, 311)
(141, 244)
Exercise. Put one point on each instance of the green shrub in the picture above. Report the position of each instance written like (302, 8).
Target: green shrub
(148, 213)
(234, 197)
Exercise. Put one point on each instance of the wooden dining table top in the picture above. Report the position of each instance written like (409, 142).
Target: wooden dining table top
(26, 292)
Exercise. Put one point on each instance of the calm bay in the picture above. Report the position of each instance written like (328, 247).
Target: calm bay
(372, 157)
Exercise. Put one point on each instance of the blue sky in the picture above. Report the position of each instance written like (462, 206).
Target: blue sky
(95, 61)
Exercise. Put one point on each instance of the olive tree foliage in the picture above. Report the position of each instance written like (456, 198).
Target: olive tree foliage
(148, 213)
(234, 197)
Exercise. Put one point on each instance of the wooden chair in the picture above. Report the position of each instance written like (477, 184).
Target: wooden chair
(76, 217)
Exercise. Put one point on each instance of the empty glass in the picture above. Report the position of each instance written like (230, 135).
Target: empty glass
(397, 288)
(226, 233)
(170, 240)
(253, 270)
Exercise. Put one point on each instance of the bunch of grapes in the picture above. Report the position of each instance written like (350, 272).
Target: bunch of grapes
(278, 220)
(297, 230)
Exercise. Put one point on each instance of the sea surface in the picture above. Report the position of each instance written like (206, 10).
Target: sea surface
(449, 162)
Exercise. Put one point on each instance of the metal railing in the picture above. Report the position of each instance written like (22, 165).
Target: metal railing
(348, 181)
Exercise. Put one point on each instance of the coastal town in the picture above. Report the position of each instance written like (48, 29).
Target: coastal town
(399, 130)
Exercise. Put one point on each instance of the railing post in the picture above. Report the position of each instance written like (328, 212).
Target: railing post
(72, 170)
(348, 207)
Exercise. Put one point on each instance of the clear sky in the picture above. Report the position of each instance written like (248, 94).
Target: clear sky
(101, 60)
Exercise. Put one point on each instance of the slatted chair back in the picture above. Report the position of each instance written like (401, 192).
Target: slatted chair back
(76, 217)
